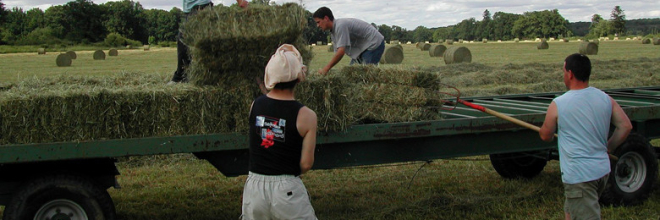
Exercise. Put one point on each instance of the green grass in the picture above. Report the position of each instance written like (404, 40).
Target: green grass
(182, 187)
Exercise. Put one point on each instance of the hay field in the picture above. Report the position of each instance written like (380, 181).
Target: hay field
(182, 187)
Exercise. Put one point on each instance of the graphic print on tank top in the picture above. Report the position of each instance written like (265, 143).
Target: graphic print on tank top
(271, 130)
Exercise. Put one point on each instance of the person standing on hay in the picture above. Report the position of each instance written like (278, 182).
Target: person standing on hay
(350, 36)
(583, 116)
(282, 139)
(190, 8)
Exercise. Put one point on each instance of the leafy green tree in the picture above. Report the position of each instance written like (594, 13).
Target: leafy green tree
(313, 33)
(55, 17)
(386, 31)
(465, 29)
(618, 19)
(595, 19)
(83, 21)
(400, 33)
(14, 27)
(127, 19)
(442, 33)
(503, 24)
(540, 24)
(35, 18)
(422, 34)
(484, 27)
(3, 13)
(602, 29)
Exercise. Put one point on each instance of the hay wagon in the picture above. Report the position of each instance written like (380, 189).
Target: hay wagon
(70, 180)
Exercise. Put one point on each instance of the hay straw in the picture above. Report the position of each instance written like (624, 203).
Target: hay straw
(424, 46)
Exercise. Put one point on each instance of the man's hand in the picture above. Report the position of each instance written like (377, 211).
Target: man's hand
(322, 71)
(242, 3)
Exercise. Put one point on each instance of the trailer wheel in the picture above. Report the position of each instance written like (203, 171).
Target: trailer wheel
(60, 197)
(519, 165)
(633, 175)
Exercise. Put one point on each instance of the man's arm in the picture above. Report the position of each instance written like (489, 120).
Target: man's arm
(335, 59)
(242, 3)
(549, 127)
(306, 125)
(622, 127)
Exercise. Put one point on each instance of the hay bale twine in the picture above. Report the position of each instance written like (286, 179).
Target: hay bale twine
(41, 51)
(656, 41)
(146, 47)
(392, 55)
(424, 46)
(72, 54)
(646, 41)
(331, 49)
(63, 60)
(543, 45)
(113, 52)
(99, 55)
(457, 55)
(437, 50)
(588, 48)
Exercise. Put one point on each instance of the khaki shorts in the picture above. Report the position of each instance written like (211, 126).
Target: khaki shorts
(582, 198)
(276, 197)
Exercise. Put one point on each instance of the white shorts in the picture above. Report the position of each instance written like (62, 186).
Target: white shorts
(275, 197)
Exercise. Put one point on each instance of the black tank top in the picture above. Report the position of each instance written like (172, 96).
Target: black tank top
(275, 143)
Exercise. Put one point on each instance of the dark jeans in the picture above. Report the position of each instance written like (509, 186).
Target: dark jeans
(182, 55)
(370, 56)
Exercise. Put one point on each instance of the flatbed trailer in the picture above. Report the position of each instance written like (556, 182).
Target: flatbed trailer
(69, 180)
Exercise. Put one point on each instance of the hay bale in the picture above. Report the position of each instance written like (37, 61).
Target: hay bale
(63, 59)
(596, 41)
(72, 54)
(146, 47)
(565, 40)
(113, 52)
(543, 45)
(588, 48)
(227, 41)
(437, 50)
(450, 41)
(129, 47)
(424, 46)
(331, 49)
(516, 40)
(392, 55)
(656, 41)
(484, 40)
(99, 55)
(398, 45)
(457, 55)
(646, 41)
(41, 51)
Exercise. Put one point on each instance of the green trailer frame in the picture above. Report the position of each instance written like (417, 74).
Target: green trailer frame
(515, 151)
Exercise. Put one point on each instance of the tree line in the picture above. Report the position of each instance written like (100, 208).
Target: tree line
(127, 22)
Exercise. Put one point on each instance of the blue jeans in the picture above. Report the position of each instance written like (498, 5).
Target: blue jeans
(370, 56)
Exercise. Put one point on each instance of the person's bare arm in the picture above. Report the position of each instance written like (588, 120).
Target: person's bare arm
(622, 126)
(306, 125)
(549, 127)
(335, 59)
(242, 3)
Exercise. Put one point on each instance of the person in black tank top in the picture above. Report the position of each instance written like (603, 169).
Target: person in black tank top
(282, 140)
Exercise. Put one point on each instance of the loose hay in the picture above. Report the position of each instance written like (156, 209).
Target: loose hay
(99, 55)
(543, 45)
(437, 50)
(392, 55)
(231, 40)
(72, 54)
(588, 48)
(113, 52)
(63, 60)
(457, 55)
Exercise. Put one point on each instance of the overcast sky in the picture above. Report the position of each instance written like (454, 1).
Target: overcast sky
(428, 13)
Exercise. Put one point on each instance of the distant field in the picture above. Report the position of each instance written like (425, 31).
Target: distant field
(182, 187)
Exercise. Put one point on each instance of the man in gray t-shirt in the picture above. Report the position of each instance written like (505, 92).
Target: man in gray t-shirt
(350, 36)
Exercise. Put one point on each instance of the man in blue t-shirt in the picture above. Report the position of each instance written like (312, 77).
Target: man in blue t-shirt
(350, 36)
(583, 116)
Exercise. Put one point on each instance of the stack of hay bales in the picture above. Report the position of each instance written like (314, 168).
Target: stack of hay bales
(437, 50)
(543, 45)
(392, 55)
(457, 55)
(226, 41)
(588, 48)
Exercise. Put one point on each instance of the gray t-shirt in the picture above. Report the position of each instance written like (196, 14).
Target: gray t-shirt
(355, 36)
(189, 4)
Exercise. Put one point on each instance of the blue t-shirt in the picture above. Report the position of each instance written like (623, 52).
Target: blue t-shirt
(583, 122)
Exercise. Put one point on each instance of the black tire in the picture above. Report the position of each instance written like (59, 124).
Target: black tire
(633, 175)
(53, 197)
(519, 165)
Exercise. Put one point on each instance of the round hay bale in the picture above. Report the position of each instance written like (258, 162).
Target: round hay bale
(588, 48)
(543, 45)
(596, 41)
(417, 45)
(516, 40)
(437, 50)
(146, 47)
(41, 51)
(392, 55)
(646, 41)
(457, 55)
(565, 40)
(484, 40)
(450, 41)
(63, 60)
(424, 46)
(72, 54)
(331, 49)
(399, 46)
(128, 47)
(99, 55)
(113, 52)
(656, 41)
